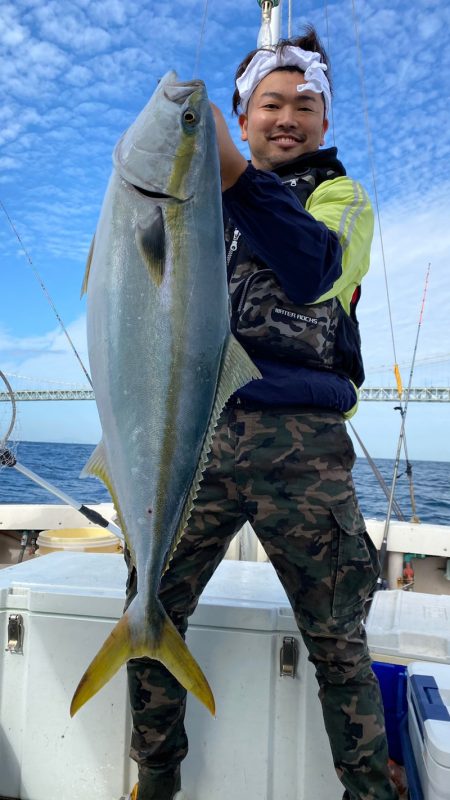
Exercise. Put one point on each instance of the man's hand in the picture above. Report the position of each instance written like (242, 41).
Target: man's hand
(232, 162)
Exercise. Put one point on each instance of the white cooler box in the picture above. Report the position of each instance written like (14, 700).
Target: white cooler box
(409, 626)
(267, 742)
(429, 726)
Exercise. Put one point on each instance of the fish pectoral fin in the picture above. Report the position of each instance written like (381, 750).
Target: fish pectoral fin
(97, 465)
(151, 243)
(84, 285)
(167, 647)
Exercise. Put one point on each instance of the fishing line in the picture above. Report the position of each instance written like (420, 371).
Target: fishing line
(46, 293)
(200, 41)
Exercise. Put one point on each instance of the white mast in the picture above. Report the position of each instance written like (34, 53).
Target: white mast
(269, 32)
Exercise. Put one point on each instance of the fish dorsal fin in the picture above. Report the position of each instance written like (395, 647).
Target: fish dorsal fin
(236, 370)
(84, 285)
(151, 243)
(97, 465)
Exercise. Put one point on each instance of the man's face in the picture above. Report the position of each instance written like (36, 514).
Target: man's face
(282, 123)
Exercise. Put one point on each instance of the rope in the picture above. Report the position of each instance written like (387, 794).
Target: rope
(44, 289)
(200, 41)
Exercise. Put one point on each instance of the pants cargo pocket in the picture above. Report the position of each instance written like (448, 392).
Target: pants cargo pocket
(355, 564)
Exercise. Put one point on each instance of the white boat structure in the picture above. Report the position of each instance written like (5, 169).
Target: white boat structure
(56, 608)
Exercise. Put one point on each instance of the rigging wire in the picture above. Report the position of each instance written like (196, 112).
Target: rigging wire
(200, 40)
(47, 295)
(372, 167)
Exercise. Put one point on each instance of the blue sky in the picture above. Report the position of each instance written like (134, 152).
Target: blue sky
(74, 76)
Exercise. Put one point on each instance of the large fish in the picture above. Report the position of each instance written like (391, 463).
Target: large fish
(162, 357)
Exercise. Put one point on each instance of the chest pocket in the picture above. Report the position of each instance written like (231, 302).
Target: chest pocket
(268, 323)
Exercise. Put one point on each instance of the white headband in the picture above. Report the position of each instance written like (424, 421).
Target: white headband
(266, 60)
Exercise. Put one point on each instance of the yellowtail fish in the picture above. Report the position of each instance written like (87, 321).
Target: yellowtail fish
(162, 357)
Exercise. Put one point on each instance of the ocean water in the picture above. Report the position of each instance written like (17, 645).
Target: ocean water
(61, 464)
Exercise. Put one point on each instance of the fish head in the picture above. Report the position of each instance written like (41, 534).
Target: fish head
(164, 150)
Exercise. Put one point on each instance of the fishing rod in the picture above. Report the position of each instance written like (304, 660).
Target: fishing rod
(383, 548)
(8, 459)
(378, 475)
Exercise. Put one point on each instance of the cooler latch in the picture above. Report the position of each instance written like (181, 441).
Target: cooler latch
(289, 657)
(15, 633)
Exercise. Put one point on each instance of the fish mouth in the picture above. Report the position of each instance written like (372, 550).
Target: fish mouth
(156, 195)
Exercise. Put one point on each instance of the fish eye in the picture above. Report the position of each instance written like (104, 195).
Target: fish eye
(189, 118)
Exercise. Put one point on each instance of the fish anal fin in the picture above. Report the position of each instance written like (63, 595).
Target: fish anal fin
(97, 465)
(151, 243)
(236, 370)
(84, 285)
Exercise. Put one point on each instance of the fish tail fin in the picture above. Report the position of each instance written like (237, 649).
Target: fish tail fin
(174, 653)
(116, 650)
(168, 647)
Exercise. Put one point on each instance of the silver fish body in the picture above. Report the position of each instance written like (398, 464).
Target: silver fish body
(162, 358)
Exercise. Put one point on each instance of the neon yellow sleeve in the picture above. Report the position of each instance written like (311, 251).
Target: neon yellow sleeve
(344, 207)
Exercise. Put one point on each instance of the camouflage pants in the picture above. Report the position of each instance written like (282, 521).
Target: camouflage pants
(289, 474)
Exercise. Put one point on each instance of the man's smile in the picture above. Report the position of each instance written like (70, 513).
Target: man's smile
(285, 138)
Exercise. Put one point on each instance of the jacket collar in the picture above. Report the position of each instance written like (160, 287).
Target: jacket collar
(324, 159)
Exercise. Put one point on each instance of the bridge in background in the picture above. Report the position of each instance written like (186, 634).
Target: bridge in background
(425, 394)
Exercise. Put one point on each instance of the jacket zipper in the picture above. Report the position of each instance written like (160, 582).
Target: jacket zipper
(233, 246)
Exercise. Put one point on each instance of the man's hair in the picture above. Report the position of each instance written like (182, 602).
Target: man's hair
(308, 41)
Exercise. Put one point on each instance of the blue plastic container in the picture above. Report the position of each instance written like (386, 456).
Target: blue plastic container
(392, 680)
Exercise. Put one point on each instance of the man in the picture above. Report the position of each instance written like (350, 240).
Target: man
(298, 236)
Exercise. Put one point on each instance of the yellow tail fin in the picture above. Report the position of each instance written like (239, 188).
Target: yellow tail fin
(168, 647)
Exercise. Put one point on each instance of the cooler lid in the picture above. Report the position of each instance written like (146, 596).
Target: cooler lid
(86, 584)
(409, 626)
(429, 691)
(241, 594)
(246, 595)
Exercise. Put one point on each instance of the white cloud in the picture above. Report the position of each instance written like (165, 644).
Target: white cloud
(45, 359)
(9, 163)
